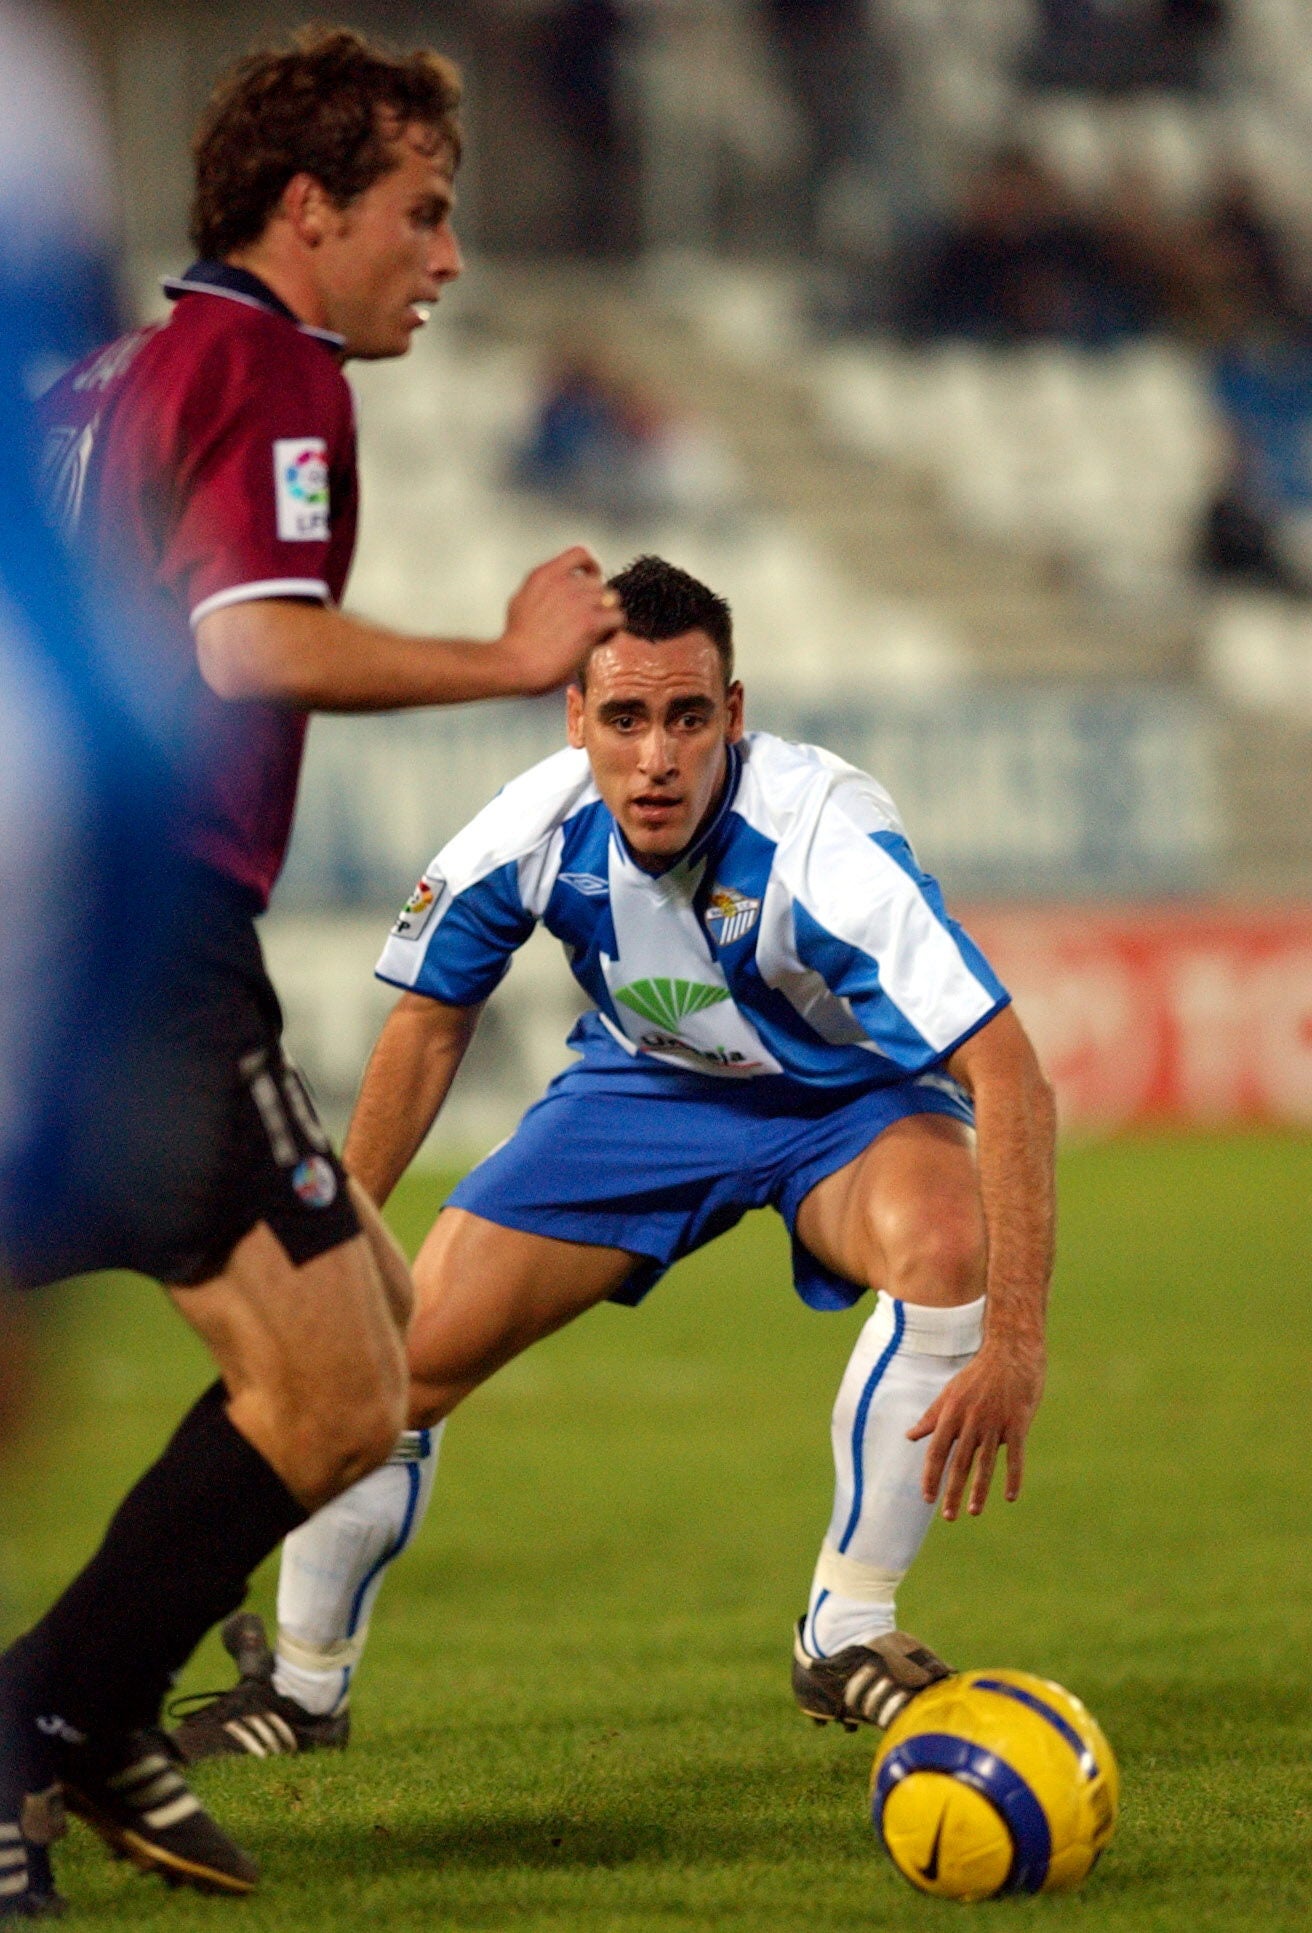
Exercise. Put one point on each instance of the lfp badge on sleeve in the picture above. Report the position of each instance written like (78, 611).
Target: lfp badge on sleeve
(300, 473)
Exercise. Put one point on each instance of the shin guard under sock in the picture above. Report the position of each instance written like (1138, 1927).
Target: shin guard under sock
(175, 1559)
(333, 1568)
(905, 1356)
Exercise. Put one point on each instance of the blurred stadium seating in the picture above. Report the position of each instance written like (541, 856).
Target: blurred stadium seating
(1104, 462)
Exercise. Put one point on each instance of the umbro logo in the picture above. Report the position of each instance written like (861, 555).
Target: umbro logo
(586, 883)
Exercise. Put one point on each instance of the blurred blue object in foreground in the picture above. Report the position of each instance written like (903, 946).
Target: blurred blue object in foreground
(80, 793)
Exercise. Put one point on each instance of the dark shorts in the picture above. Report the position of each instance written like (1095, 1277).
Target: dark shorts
(190, 1126)
(659, 1162)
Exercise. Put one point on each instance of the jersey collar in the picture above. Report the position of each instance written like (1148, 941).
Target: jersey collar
(239, 285)
(702, 844)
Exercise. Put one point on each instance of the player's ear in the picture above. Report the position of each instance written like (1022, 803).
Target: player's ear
(306, 204)
(734, 706)
(574, 715)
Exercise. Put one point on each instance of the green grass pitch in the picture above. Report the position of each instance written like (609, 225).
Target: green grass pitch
(575, 1714)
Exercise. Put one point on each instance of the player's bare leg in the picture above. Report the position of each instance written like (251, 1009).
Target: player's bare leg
(905, 1216)
(904, 1219)
(312, 1396)
(312, 1357)
(484, 1294)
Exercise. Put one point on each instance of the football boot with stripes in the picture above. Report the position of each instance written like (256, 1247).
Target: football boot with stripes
(251, 1717)
(27, 1885)
(863, 1684)
(144, 1810)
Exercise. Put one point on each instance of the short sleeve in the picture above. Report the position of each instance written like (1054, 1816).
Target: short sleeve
(457, 946)
(873, 926)
(265, 468)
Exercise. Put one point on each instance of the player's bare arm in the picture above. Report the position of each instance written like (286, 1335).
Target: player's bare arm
(993, 1401)
(319, 659)
(409, 1076)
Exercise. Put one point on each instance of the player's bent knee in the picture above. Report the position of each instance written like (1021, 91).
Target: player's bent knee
(326, 1454)
(369, 1442)
(937, 1257)
(341, 1390)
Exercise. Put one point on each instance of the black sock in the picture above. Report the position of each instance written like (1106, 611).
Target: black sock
(176, 1558)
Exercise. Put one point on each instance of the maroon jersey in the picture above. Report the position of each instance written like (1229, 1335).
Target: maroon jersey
(197, 463)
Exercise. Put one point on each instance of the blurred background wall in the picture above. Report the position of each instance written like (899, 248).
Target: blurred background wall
(966, 345)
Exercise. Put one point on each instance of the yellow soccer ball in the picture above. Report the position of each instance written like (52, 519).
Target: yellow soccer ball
(994, 1782)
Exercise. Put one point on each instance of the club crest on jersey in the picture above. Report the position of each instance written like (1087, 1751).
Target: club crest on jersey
(730, 914)
(300, 475)
(415, 914)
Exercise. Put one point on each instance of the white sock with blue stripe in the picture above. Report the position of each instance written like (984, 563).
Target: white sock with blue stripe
(332, 1571)
(904, 1357)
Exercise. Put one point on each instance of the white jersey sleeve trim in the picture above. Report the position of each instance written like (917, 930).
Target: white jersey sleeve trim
(523, 814)
(309, 587)
(522, 826)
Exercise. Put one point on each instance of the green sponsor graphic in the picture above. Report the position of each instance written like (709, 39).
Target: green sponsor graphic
(667, 1002)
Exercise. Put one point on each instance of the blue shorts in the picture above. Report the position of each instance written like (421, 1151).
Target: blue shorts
(659, 1162)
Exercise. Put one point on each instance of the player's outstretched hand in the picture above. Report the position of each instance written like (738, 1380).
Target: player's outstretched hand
(560, 611)
(990, 1403)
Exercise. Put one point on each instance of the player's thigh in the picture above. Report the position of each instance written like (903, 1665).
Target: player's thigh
(905, 1215)
(311, 1355)
(484, 1292)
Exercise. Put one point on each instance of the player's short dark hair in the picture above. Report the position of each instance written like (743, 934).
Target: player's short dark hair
(329, 105)
(661, 601)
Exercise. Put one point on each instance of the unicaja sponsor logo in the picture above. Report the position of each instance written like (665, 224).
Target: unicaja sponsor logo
(667, 1002)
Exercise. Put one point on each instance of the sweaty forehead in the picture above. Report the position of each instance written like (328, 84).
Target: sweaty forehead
(630, 667)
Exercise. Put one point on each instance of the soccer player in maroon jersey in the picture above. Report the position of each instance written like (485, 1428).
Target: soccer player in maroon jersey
(205, 469)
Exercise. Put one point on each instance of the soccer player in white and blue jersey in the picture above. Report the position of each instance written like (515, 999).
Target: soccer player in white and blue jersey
(782, 1012)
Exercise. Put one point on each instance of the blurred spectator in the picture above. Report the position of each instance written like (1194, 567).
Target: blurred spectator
(577, 436)
(843, 78)
(1118, 46)
(1245, 255)
(579, 46)
(1020, 261)
(1226, 283)
(1259, 528)
(604, 444)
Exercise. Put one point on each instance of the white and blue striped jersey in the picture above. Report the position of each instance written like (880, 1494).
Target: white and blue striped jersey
(796, 937)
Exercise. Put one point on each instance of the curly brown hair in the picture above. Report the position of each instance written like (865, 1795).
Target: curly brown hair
(330, 105)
